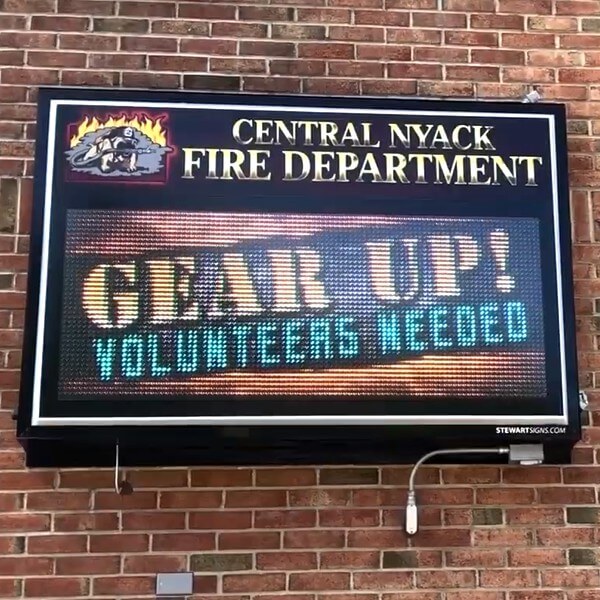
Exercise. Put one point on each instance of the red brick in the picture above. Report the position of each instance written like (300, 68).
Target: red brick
(10, 588)
(287, 561)
(417, 36)
(320, 581)
(521, 557)
(116, 61)
(358, 559)
(470, 73)
(151, 80)
(87, 7)
(502, 57)
(263, 582)
(298, 67)
(154, 520)
(528, 40)
(565, 536)
(530, 7)
(56, 544)
(285, 477)
(247, 540)
(237, 65)
(376, 538)
(445, 579)
(381, 17)
(536, 595)
(265, 49)
(195, 10)
(265, 13)
(12, 544)
(410, 70)
(87, 565)
(475, 557)
(220, 520)
(313, 539)
(22, 565)
(488, 21)
(183, 542)
(577, 7)
(552, 24)
(348, 518)
(60, 23)
(153, 564)
(540, 474)
(435, 54)
(285, 519)
(110, 500)
(124, 585)
(252, 30)
(535, 515)
(508, 578)
(68, 41)
(62, 587)
(566, 495)
(24, 522)
(505, 496)
(145, 9)
(502, 537)
(58, 501)
(563, 578)
(471, 38)
(189, 499)
(177, 63)
(325, 50)
(255, 498)
(86, 522)
(383, 87)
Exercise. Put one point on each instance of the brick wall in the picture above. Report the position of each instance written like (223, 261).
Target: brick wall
(309, 533)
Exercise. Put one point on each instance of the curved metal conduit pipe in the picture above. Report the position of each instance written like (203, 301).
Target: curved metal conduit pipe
(412, 519)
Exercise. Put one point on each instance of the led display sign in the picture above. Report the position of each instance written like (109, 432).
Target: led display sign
(203, 260)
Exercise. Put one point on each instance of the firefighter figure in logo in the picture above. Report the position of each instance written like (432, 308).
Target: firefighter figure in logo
(113, 150)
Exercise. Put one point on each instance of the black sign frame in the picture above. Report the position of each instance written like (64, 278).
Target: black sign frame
(287, 439)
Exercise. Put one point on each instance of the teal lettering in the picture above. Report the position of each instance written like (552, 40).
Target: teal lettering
(388, 332)
(187, 357)
(132, 356)
(320, 340)
(347, 337)
(216, 348)
(265, 342)
(105, 357)
(516, 321)
(438, 317)
(414, 327)
(466, 326)
(156, 368)
(241, 334)
(488, 313)
(291, 341)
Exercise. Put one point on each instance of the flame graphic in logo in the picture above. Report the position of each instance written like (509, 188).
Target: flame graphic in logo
(152, 128)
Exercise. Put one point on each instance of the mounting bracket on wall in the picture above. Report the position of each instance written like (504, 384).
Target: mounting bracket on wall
(523, 454)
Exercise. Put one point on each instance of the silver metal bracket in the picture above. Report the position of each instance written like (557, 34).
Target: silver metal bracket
(526, 454)
(174, 585)
(584, 402)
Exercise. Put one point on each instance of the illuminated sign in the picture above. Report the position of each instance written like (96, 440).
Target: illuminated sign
(247, 260)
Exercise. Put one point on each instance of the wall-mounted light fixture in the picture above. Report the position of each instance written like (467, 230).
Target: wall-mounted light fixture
(523, 454)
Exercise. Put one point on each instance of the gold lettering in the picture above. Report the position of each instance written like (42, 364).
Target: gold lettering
(170, 287)
(382, 272)
(236, 131)
(100, 305)
(283, 269)
(234, 291)
(312, 288)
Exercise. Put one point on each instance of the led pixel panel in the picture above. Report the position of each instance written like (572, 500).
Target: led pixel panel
(206, 259)
(314, 305)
